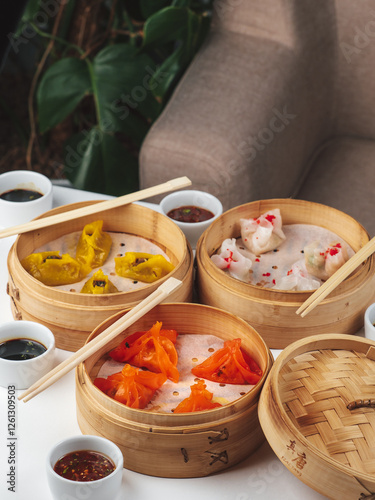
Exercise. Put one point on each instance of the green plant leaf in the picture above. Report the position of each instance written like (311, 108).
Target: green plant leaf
(97, 161)
(121, 78)
(121, 168)
(167, 73)
(181, 3)
(185, 28)
(167, 25)
(60, 90)
(32, 7)
(149, 7)
(31, 10)
(82, 160)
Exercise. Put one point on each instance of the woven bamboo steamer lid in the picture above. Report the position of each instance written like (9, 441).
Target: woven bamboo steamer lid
(304, 415)
(72, 316)
(272, 312)
(176, 445)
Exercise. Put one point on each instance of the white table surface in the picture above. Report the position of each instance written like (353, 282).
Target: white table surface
(51, 416)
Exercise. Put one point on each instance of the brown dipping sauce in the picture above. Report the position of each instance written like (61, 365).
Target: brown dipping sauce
(190, 213)
(21, 349)
(84, 465)
(21, 195)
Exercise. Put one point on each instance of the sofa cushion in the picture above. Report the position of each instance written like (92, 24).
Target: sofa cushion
(343, 176)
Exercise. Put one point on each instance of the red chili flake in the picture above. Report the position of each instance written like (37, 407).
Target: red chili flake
(333, 251)
(257, 260)
(257, 221)
(229, 259)
(274, 282)
(266, 274)
(270, 218)
(321, 253)
(289, 272)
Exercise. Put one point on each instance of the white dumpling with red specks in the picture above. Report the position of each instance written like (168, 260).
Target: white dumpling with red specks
(322, 261)
(230, 258)
(263, 233)
(297, 279)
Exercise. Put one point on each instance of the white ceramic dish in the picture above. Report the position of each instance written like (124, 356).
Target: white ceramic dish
(196, 198)
(23, 373)
(107, 487)
(13, 213)
(369, 322)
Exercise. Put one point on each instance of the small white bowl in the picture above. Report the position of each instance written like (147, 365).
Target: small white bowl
(23, 373)
(192, 230)
(369, 322)
(107, 487)
(13, 213)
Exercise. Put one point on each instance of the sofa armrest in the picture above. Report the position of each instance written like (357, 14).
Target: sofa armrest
(242, 123)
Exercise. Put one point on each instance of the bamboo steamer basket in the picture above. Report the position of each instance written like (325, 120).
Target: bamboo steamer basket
(72, 316)
(176, 445)
(304, 415)
(273, 312)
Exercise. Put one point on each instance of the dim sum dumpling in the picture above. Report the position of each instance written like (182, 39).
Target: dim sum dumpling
(297, 279)
(99, 284)
(337, 255)
(93, 246)
(264, 233)
(323, 262)
(53, 269)
(230, 258)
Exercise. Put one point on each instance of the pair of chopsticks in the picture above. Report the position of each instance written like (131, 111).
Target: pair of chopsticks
(102, 339)
(128, 319)
(339, 276)
(171, 185)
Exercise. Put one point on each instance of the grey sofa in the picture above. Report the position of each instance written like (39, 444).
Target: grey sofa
(279, 102)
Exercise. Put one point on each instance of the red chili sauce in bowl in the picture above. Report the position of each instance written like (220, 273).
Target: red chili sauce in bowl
(190, 213)
(84, 465)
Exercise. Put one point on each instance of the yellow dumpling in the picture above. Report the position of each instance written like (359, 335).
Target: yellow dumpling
(99, 284)
(53, 269)
(142, 266)
(93, 246)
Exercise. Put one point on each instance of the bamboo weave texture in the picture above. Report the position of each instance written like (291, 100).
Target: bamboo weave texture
(315, 389)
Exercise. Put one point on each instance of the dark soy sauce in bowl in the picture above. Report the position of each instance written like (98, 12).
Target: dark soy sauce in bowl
(21, 349)
(21, 195)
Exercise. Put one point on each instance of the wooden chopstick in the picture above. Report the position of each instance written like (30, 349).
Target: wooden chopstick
(102, 339)
(337, 278)
(171, 185)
